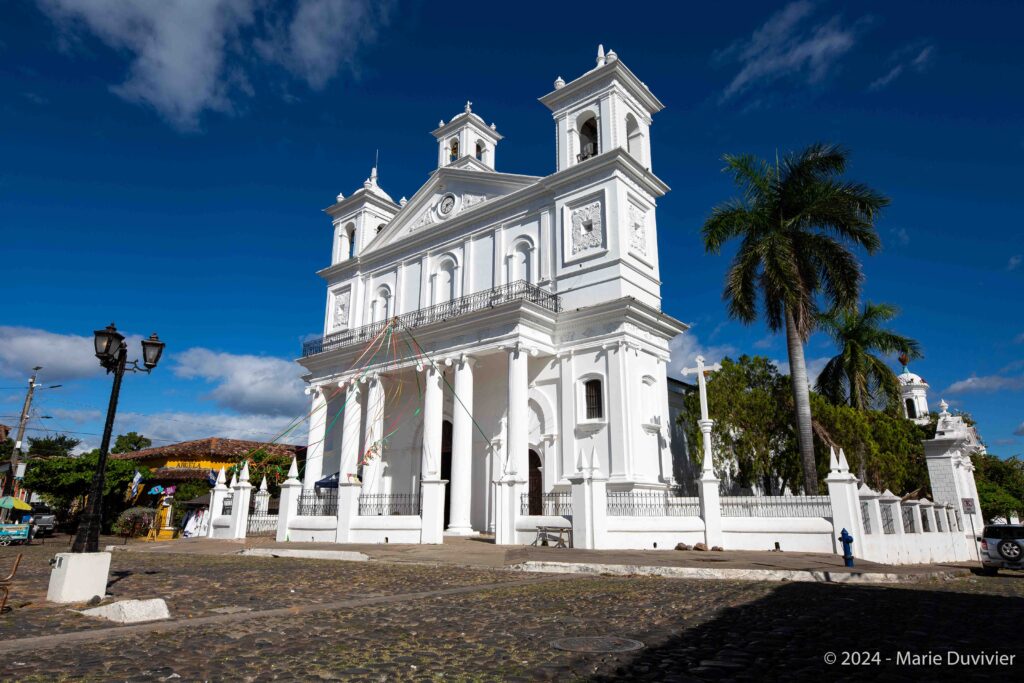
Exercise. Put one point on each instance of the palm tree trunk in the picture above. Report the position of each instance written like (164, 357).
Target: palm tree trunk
(802, 401)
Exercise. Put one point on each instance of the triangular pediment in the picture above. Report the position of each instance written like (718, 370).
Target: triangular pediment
(449, 192)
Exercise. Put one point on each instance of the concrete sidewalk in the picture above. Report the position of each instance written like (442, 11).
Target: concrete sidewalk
(481, 552)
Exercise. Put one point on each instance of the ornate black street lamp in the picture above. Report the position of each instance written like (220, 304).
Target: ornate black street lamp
(112, 351)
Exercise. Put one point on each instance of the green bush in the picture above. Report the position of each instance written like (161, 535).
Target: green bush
(134, 521)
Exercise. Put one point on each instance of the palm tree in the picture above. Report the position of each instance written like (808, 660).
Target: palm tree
(856, 376)
(795, 221)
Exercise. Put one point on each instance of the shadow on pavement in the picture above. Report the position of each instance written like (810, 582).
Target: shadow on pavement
(788, 635)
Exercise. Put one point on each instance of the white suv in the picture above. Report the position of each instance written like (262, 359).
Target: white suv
(1002, 547)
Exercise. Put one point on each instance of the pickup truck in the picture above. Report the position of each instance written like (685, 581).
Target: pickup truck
(43, 519)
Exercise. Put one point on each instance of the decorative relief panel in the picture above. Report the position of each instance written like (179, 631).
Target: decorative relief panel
(587, 228)
(469, 200)
(341, 309)
(637, 229)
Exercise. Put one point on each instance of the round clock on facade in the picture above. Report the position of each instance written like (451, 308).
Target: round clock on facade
(447, 204)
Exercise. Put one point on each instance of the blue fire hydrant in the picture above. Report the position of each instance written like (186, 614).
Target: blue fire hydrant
(847, 541)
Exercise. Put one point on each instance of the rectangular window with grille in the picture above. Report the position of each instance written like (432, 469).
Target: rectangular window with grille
(595, 401)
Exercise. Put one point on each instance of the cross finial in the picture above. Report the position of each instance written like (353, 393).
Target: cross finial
(469, 107)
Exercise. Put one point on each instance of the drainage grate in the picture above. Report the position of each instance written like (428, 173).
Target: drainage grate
(597, 644)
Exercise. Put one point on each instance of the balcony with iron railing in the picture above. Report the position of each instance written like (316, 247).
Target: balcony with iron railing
(520, 290)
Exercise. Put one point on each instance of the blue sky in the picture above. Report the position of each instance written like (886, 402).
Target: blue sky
(165, 166)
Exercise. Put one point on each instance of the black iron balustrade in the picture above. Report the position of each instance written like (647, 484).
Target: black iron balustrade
(319, 502)
(520, 290)
(388, 504)
(651, 504)
(865, 517)
(908, 519)
(554, 504)
(888, 523)
(776, 506)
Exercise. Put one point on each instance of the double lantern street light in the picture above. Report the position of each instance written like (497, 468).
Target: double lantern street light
(112, 352)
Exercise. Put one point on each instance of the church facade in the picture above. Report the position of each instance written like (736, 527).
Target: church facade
(494, 334)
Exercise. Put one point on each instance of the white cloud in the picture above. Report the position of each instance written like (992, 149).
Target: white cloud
(915, 57)
(814, 368)
(189, 57)
(786, 46)
(1014, 261)
(175, 426)
(253, 385)
(686, 347)
(76, 415)
(987, 383)
(765, 342)
(901, 236)
(1019, 431)
(63, 356)
(323, 36)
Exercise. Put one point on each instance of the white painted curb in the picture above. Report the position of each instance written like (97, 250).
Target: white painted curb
(722, 573)
(344, 555)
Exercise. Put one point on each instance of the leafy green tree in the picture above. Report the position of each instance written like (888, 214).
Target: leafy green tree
(857, 376)
(1000, 485)
(796, 221)
(265, 464)
(59, 445)
(130, 442)
(751, 405)
(64, 482)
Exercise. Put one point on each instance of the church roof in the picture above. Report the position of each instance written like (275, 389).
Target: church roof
(213, 447)
(907, 377)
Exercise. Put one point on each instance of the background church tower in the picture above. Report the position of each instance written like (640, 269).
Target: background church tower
(466, 139)
(913, 394)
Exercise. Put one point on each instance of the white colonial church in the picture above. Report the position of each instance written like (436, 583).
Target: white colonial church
(536, 302)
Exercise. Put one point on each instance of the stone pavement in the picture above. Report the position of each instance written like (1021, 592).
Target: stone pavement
(481, 552)
(255, 619)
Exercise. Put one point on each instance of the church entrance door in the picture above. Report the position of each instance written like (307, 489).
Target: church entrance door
(446, 467)
(536, 484)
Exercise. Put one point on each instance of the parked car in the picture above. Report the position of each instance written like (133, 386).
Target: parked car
(1002, 547)
(43, 519)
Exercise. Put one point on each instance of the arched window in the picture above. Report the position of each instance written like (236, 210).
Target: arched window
(453, 150)
(594, 399)
(480, 151)
(444, 281)
(911, 409)
(588, 139)
(348, 243)
(521, 262)
(634, 138)
(381, 304)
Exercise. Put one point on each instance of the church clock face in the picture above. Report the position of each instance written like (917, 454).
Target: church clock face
(447, 205)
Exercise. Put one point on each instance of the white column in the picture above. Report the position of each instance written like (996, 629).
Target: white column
(617, 412)
(433, 406)
(217, 495)
(317, 435)
(373, 469)
(351, 432)
(710, 500)
(461, 487)
(288, 508)
(240, 504)
(517, 450)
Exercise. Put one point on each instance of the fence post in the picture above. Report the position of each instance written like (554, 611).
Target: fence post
(240, 504)
(217, 495)
(289, 506)
(589, 504)
(710, 498)
(842, 493)
(432, 510)
(261, 499)
(348, 509)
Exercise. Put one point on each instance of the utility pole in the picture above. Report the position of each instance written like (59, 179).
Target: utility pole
(9, 482)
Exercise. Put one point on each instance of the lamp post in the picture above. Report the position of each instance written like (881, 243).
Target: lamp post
(112, 352)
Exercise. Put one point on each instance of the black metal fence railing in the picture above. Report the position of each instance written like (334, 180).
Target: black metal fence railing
(959, 521)
(229, 500)
(888, 523)
(520, 290)
(554, 504)
(865, 517)
(651, 504)
(925, 525)
(939, 514)
(776, 506)
(388, 504)
(908, 519)
(319, 502)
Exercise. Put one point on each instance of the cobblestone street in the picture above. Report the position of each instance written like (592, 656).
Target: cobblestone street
(254, 618)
